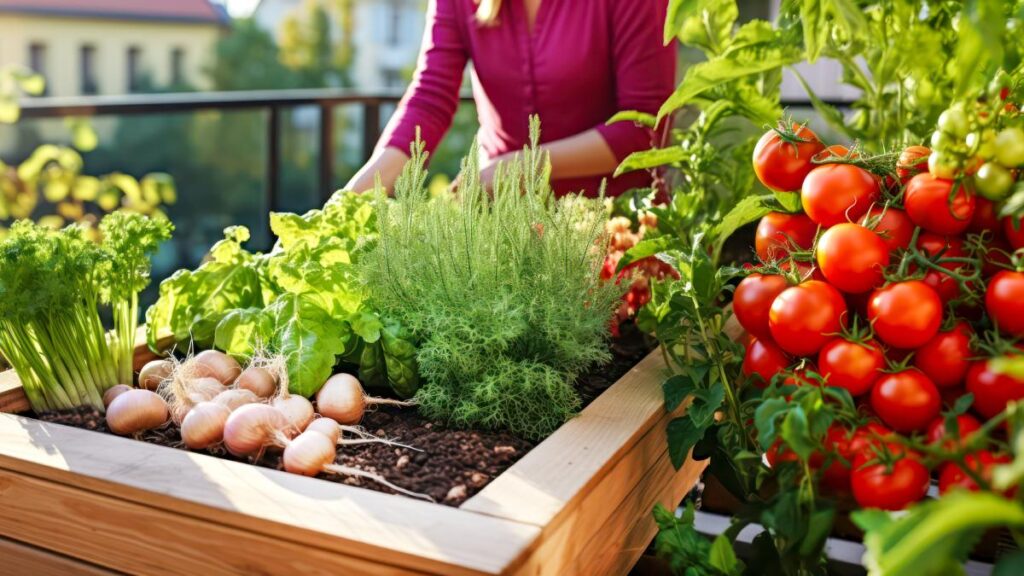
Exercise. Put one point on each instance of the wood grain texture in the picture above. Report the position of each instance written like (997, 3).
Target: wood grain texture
(20, 558)
(352, 521)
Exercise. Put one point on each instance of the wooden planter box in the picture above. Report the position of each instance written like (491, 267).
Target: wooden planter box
(79, 502)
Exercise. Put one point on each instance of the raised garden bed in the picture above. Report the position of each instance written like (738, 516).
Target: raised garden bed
(579, 502)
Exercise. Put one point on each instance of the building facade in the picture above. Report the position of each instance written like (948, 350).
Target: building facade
(86, 47)
(386, 36)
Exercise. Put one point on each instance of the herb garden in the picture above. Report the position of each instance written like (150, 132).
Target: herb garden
(811, 326)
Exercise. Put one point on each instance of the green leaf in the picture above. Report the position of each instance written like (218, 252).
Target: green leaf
(678, 12)
(764, 420)
(242, 332)
(682, 435)
(819, 526)
(749, 209)
(790, 201)
(829, 113)
(705, 404)
(642, 118)
(309, 339)
(1010, 564)
(722, 556)
(646, 159)
(796, 433)
(812, 18)
(676, 389)
(646, 248)
(710, 28)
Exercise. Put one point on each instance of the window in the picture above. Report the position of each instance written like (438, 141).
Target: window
(177, 67)
(37, 61)
(395, 22)
(88, 70)
(134, 73)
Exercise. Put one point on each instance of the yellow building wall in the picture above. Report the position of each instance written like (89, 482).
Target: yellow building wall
(64, 38)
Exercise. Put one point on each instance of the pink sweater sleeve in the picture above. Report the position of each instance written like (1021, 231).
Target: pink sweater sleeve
(433, 96)
(644, 71)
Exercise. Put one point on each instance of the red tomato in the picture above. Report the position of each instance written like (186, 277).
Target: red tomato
(835, 193)
(1014, 231)
(981, 463)
(848, 444)
(782, 165)
(927, 202)
(806, 316)
(907, 401)
(852, 257)
(764, 359)
(752, 300)
(892, 224)
(875, 486)
(1004, 301)
(943, 359)
(778, 233)
(966, 424)
(868, 435)
(986, 217)
(992, 391)
(933, 244)
(851, 365)
(905, 314)
(912, 161)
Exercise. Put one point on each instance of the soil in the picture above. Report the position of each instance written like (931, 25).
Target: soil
(449, 465)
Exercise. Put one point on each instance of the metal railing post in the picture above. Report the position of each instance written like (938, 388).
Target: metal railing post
(326, 150)
(273, 157)
(371, 126)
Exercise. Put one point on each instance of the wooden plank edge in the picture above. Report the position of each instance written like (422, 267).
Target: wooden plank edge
(532, 491)
(22, 558)
(137, 539)
(476, 551)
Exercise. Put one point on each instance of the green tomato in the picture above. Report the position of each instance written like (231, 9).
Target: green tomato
(993, 181)
(954, 122)
(1009, 147)
(982, 143)
(942, 165)
(941, 141)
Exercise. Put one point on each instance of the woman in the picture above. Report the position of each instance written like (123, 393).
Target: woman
(574, 63)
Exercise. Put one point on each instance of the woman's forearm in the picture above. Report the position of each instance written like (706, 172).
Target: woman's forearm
(584, 154)
(387, 162)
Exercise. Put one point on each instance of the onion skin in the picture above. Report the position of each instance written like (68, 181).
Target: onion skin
(253, 427)
(327, 427)
(114, 392)
(308, 453)
(257, 380)
(215, 364)
(154, 373)
(342, 399)
(136, 410)
(296, 409)
(233, 399)
(203, 426)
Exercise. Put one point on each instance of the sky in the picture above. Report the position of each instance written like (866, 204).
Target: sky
(240, 8)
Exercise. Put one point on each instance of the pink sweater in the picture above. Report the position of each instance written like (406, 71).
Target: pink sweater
(584, 61)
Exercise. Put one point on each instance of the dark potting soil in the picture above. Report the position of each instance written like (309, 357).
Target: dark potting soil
(450, 465)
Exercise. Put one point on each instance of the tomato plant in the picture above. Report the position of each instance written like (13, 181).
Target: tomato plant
(804, 317)
(836, 193)
(782, 157)
(851, 365)
(944, 358)
(991, 389)
(778, 234)
(753, 299)
(905, 314)
(892, 224)
(907, 401)
(1004, 301)
(965, 423)
(953, 475)
(888, 485)
(852, 257)
(931, 204)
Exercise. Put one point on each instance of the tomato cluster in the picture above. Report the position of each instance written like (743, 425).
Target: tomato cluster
(622, 237)
(896, 283)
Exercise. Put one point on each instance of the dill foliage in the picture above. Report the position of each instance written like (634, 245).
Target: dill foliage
(502, 292)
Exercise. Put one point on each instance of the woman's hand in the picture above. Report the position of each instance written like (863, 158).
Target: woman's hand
(386, 162)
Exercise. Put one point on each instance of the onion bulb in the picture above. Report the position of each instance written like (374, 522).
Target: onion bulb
(215, 364)
(257, 380)
(136, 410)
(308, 453)
(114, 392)
(327, 427)
(203, 426)
(155, 372)
(253, 427)
(342, 398)
(296, 409)
(232, 399)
